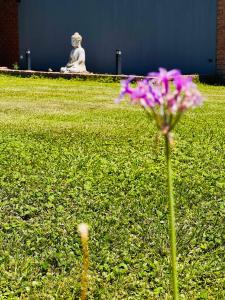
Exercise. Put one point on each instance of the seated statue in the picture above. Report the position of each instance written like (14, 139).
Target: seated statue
(76, 62)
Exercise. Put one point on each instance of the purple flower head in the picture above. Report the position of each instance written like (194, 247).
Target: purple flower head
(166, 93)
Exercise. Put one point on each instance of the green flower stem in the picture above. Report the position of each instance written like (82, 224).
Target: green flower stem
(172, 228)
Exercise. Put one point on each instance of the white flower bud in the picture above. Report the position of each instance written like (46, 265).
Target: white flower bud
(83, 230)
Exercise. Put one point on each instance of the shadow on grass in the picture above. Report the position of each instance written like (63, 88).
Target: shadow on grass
(212, 80)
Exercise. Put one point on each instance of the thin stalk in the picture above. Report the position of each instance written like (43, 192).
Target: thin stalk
(84, 277)
(83, 231)
(171, 217)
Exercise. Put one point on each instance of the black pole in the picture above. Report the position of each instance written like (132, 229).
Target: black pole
(118, 62)
(28, 60)
(21, 61)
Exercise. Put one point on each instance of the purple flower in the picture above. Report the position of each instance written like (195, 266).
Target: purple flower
(166, 93)
(125, 89)
(163, 77)
(182, 82)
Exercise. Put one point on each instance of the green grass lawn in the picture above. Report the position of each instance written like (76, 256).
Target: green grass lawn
(68, 154)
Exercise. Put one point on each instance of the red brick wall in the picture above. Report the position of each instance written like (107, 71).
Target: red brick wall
(220, 56)
(9, 35)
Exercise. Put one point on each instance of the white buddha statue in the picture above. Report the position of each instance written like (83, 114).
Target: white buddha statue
(76, 62)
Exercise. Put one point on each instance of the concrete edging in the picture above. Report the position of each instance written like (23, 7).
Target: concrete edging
(92, 76)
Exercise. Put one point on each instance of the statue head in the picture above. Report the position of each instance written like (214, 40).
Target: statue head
(76, 40)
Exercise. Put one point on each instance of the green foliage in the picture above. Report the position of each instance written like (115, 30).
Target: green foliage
(15, 66)
(68, 155)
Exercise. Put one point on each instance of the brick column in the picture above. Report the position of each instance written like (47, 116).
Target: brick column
(220, 53)
(9, 33)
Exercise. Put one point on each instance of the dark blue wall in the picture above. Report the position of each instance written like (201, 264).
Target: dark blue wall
(151, 33)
